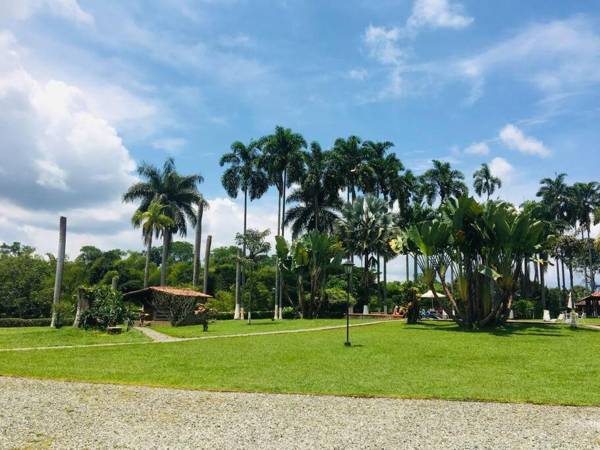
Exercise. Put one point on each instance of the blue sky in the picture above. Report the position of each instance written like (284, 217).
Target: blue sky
(88, 89)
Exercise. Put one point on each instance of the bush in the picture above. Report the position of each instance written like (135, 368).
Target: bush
(524, 309)
(107, 309)
(11, 322)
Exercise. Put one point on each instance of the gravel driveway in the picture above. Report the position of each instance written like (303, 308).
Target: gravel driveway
(51, 414)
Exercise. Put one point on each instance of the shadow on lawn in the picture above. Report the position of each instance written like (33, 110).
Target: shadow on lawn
(507, 330)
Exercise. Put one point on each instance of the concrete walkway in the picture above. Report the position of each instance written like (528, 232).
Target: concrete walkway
(161, 338)
(61, 415)
(157, 336)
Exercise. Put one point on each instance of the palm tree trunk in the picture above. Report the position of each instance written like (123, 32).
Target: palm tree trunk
(281, 280)
(207, 262)
(562, 264)
(366, 280)
(379, 291)
(571, 276)
(558, 282)
(238, 273)
(407, 268)
(147, 265)
(585, 274)
(542, 285)
(592, 274)
(242, 271)
(415, 268)
(277, 270)
(197, 246)
(165, 257)
(385, 284)
(60, 264)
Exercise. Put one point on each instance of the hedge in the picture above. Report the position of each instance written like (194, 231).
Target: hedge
(12, 322)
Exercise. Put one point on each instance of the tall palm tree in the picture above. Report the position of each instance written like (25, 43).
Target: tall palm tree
(243, 174)
(317, 196)
(585, 199)
(202, 205)
(557, 199)
(282, 160)
(178, 193)
(385, 168)
(154, 222)
(365, 229)
(484, 182)
(351, 160)
(443, 182)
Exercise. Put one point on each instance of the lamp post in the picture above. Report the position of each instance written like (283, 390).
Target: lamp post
(348, 265)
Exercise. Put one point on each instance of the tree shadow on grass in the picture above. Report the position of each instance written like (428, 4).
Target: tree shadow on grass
(506, 330)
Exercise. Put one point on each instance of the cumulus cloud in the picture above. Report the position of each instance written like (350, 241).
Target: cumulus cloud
(58, 156)
(438, 14)
(501, 168)
(551, 56)
(477, 148)
(515, 139)
(23, 9)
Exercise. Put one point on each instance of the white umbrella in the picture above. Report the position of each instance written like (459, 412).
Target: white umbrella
(431, 295)
(570, 302)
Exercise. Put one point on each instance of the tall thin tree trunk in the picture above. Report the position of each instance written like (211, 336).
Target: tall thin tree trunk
(281, 280)
(197, 246)
(207, 262)
(277, 269)
(242, 272)
(415, 268)
(165, 257)
(560, 294)
(571, 276)
(592, 274)
(238, 273)
(407, 267)
(60, 264)
(147, 265)
(542, 285)
(562, 265)
(385, 284)
(585, 274)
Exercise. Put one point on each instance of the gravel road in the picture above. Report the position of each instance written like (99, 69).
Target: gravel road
(51, 414)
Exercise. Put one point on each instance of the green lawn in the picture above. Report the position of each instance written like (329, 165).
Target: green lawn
(229, 327)
(50, 337)
(523, 363)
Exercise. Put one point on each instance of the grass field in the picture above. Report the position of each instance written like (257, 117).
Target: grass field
(522, 363)
(229, 327)
(49, 337)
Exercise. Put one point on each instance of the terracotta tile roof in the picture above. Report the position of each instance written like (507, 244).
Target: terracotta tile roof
(184, 292)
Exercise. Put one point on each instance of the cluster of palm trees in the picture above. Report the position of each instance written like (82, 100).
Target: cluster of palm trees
(357, 193)
(167, 202)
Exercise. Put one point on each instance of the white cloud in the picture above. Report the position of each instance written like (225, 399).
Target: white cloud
(438, 14)
(563, 54)
(23, 9)
(515, 139)
(169, 145)
(382, 44)
(478, 148)
(56, 152)
(501, 168)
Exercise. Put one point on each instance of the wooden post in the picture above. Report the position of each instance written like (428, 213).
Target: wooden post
(115, 282)
(206, 262)
(60, 264)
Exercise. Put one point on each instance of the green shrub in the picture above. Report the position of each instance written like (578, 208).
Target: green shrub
(107, 309)
(11, 322)
(524, 309)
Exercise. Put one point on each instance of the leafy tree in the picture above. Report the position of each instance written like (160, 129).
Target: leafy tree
(178, 194)
(484, 182)
(254, 241)
(365, 229)
(442, 182)
(317, 196)
(246, 175)
(154, 222)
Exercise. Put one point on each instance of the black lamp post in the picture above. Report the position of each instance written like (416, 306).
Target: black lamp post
(348, 265)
